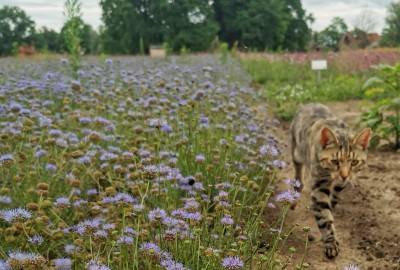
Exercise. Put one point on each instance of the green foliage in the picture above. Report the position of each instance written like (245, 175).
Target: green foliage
(249, 23)
(391, 33)
(48, 40)
(72, 32)
(15, 28)
(330, 36)
(224, 50)
(289, 85)
(384, 114)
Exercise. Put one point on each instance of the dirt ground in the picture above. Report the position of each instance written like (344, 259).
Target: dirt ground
(367, 218)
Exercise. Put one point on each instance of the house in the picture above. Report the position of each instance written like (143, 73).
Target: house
(358, 40)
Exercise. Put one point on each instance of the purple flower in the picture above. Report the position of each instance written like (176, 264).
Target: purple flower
(14, 215)
(62, 202)
(6, 158)
(36, 240)
(232, 263)
(125, 240)
(269, 150)
(171, 265)
(129, 230)
(4, 265)
(287, 196)
(40, 153)
(149, 248)
(70, 249)
(5, 200)
(227, 220)
(200, 158)
(157, 214)
(63, 264)
(96, 265)
(351, 267)
(51, 168)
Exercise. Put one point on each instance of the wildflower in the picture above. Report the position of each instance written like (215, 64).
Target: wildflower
(64, 60)
(129, 230)
(96, 265)
(51, 168)
(157, 123)
(5, 200)
(171, 265)
(7, 159)
(86, 160)
(19, 259)
(125, 240)
(200, 158)
(193, 216)
(36, 240)
(108, 61)
(15, 215)
(124, 198)
(157, 214)
(227, 220)
(62, 202)
(4, 265)
(351, 267)
(269, 150)
(232, 263)
(44, 121)
(40, 153)
(62, 264)
(70, 249)
(166, 129)
(150, 249)
(61, 142)
(287, 196)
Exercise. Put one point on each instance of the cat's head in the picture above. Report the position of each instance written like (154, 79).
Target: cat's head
(342, 155)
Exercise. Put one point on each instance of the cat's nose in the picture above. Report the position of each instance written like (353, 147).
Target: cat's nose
(343, 176)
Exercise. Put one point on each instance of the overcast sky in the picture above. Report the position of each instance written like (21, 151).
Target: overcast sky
(50, 12)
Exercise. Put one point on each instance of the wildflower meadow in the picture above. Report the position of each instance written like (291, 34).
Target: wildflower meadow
(137, 163)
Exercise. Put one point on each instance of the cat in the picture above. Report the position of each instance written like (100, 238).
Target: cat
(326, 153)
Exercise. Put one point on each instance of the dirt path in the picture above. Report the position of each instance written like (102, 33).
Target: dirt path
(367, 219)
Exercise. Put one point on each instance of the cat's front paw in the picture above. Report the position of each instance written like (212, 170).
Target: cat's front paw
(331, 249)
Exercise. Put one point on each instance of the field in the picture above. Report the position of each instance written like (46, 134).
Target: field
(175, 163)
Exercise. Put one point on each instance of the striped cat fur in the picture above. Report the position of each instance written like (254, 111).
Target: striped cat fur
(326, 153)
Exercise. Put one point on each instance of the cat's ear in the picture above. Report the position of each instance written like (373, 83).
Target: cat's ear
(327, 137)
(362, 138)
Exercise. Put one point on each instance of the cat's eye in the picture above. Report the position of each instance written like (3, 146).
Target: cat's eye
(335, 162)
(354, 162)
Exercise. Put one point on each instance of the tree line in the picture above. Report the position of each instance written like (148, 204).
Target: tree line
(132, 26)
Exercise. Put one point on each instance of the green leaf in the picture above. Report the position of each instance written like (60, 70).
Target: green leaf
(371, 81)
(374, 141)
(374, 92)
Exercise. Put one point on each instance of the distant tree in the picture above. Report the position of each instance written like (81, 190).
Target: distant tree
(15, 28)
(263, 24)
(298, 34)
(391, 33)
(260, 24)
(47, 39)
(330, 36)
(188, 24)
(131, 26)
(366, 21)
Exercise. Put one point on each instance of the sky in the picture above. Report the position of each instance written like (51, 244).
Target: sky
(49, 13)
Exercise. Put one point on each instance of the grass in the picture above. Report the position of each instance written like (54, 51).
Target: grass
(288, 81)
(136, 164)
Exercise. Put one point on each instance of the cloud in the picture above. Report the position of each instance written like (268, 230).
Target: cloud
(49, 13)
(324, 11)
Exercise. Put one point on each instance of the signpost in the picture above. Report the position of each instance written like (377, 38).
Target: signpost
(318, 65)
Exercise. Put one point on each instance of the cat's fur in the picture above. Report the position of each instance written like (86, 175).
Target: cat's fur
(326, 153)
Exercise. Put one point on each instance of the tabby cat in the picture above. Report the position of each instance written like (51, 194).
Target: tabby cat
(326, 153)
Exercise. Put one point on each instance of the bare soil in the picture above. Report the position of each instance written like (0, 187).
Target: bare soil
(367, 219)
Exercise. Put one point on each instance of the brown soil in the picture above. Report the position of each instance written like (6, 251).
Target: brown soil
(367, 219)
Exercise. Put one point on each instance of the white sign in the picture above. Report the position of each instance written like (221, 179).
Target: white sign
(320, 64)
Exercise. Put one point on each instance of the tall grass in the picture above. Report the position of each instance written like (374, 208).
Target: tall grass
(288, 81)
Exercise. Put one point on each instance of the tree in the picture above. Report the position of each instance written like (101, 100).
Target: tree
(330, 36)
(130, 23)
(189, 24)
(260, 24)
(365, 21)
(391, 33)
(15, 28)
(298, 33)
(47, 39)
